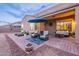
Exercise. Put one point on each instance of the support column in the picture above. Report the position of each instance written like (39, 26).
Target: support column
(77, 24)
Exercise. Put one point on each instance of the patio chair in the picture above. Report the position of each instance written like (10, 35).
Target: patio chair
(66, 33)
(34, 34)
(26, 32)
(44, 35)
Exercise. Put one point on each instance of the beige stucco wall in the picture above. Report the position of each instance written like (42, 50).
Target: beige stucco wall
(25, 23)
(6, 29)
(77, 24)
(51, 29)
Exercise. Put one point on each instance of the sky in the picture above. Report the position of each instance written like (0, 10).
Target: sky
(14, 12)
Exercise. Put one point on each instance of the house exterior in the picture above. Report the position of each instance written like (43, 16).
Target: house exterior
(62, 17)
(16, 27)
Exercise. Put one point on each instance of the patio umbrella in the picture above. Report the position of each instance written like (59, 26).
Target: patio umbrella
(38, 20)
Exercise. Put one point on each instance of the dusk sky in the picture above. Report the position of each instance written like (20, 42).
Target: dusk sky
(13, 12)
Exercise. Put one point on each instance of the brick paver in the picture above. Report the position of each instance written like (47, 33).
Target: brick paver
(46, 50)
(4, 46)
(65, 44)
(15, 49)
(54, 46)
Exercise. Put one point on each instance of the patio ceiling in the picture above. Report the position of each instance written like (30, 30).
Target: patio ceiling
(62, 15)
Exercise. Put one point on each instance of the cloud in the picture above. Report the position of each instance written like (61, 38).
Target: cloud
(12, 12)
(6, 17)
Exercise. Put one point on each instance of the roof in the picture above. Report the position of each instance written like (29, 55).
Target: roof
(56, 8)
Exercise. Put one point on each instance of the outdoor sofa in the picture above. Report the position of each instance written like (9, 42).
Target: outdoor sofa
(21, 33)
(62, 34)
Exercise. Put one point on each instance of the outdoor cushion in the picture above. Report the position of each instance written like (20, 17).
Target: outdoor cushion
(62, 32)
(45, 35)
(35, 34)
(19, 34)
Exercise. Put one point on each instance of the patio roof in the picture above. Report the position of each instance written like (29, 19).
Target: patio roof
(57, 9)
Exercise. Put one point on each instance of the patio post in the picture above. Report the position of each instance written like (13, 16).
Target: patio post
(77, 24)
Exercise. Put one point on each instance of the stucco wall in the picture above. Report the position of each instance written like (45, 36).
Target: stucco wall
(6, 29)
(51, 29)
(77, 24)
(26, 24)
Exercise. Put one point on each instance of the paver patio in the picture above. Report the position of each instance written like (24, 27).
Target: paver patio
(15, 49)
(4, 46)
(46, 50)
(65, 44)
(53, 47)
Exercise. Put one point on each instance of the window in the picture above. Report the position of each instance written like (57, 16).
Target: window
(32, 26)
(63, 26)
